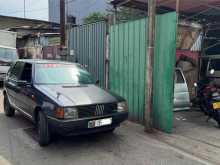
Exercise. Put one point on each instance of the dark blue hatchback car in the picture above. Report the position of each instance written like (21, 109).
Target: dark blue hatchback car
(61, 97)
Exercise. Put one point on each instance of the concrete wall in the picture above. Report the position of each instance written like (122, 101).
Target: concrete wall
(77, 8)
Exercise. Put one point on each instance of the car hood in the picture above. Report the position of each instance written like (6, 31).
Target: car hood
(77, 95)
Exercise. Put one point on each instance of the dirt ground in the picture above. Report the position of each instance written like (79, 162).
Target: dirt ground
(194, 135)
(129, 145)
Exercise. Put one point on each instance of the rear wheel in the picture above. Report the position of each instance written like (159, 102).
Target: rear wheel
(9, 111)
(43, 130)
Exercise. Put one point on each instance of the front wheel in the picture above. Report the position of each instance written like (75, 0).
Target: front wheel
(43, 130)
(9, 111)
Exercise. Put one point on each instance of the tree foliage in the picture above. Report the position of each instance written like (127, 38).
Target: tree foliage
(94, 17)
(125, 14)
(122, 14)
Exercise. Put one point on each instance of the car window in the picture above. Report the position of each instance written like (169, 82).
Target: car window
(62, 74)
(27, 72)
(179, 77)
(16, 71)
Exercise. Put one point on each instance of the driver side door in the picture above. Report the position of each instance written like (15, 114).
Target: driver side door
(11, 83)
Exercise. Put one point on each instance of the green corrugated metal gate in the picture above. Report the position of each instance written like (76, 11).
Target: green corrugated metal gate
(87, 46)
(128, 48)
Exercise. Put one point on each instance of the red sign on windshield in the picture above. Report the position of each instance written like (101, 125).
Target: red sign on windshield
(51, 65)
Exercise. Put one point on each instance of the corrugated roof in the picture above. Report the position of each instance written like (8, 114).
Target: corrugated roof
(190, 6)
(203, 11)
(7, 22)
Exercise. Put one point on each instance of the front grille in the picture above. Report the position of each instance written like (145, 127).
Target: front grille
(96, 110)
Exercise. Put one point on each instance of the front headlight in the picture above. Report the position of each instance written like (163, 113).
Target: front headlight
(71, 113)
(66, 113)
(122, 106)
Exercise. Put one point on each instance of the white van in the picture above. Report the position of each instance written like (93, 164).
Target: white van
(181, 92)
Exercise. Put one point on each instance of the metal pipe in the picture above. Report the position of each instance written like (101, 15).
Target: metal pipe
(115, 15)
(149, 66)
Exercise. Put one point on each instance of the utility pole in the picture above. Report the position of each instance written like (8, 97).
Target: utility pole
(62, 30)
(177, 10)
(62, 23)
(24, 9)
(149, 65)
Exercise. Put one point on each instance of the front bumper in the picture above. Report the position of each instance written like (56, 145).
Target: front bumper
(80, 126)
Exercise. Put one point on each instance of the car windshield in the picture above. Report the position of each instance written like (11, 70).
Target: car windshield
(62, 74)
(8, 54)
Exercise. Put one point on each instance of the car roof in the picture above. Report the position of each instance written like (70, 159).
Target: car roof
(42, 61)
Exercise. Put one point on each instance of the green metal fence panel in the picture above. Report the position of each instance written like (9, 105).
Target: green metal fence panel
(87, 46)
(128, 48)
(127, 64)
(164, 64)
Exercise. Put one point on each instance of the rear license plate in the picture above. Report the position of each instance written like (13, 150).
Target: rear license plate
(216, 105)
(99, 123)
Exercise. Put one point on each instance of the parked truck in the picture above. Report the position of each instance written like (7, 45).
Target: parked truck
(8, 51)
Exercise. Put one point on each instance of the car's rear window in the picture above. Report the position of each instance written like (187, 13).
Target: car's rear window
(61, 74)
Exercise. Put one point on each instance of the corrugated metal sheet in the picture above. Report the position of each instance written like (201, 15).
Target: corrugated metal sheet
(164, 64)
(128, 48)
(87, 47)
(127, 64)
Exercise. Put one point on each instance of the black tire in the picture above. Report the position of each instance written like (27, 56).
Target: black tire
(43, 130)
(9, 111)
